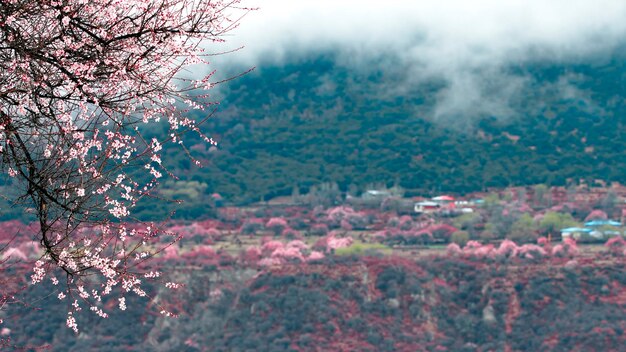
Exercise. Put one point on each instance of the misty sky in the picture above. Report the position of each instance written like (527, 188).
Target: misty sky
(462, 42)
(471, 29)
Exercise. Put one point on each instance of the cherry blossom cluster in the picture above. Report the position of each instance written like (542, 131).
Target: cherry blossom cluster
(80, 81)
(274, 252)
(509, 249)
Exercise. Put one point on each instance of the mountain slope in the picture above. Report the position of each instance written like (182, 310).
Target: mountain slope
(315, 121)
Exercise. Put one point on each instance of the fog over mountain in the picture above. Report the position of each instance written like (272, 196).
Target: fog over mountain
(471, 48)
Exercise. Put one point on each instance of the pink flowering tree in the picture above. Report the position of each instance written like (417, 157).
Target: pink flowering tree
(79, 82)
(291, 234)
(337, 214)
(596, 215)
(568, 248)
(319, 230)
(616, 245)
(405, 223)
(276, 225)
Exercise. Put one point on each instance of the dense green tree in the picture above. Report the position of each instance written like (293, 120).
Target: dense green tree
(553, 222)
(523, 230)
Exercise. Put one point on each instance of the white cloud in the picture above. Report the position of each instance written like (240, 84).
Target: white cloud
(461, 41)
(474, 29)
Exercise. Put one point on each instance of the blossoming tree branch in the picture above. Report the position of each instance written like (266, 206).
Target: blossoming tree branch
(79, 80)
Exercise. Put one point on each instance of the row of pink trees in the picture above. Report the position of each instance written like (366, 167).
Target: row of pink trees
(509, 249)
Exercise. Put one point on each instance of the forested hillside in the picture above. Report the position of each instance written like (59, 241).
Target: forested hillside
(315, 120)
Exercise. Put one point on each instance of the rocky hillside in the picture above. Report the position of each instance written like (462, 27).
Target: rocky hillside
(444, 303)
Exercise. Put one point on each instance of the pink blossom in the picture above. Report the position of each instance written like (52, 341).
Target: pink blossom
(508, 249)
(405, 222)
(297, 244)
(345, 225)
(616, 241)
(14, 253)
(558, 250)
(202, 251)
(271, 246)
(170, 252)
(337, 214)
(568, 248)
(319, 229)
(315, 255)
(335, 233)
(276, 221)
(213, 233)
(531, 251)
(290, 253)
(485, 251)
(277, 225)
(472, 245)
(271, 261)
(290, 233)
(596, 215)
(380, 235)
(105, 71)
(453, 249)
(440, 231)
(571, 246)
(336, 243)
(543, 241)
(321, 244)
(571, 264)
(616, 245)
(252, 254)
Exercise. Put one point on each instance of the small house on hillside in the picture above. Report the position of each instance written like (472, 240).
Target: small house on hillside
(426, 207)
(376, 194)
(576, 233)
(447, 202)
(594, 231)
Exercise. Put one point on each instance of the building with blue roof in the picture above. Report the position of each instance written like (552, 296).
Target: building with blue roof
(598, 223)
(594, 231)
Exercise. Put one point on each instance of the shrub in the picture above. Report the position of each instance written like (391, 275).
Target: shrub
(523, 230)
(393, 222)
(297, 223)
(553, 222)
(251, 226)
(442, 232)
(460, 237)
(358, 221)
(362, 249)
(319, 230)
(290, 234)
